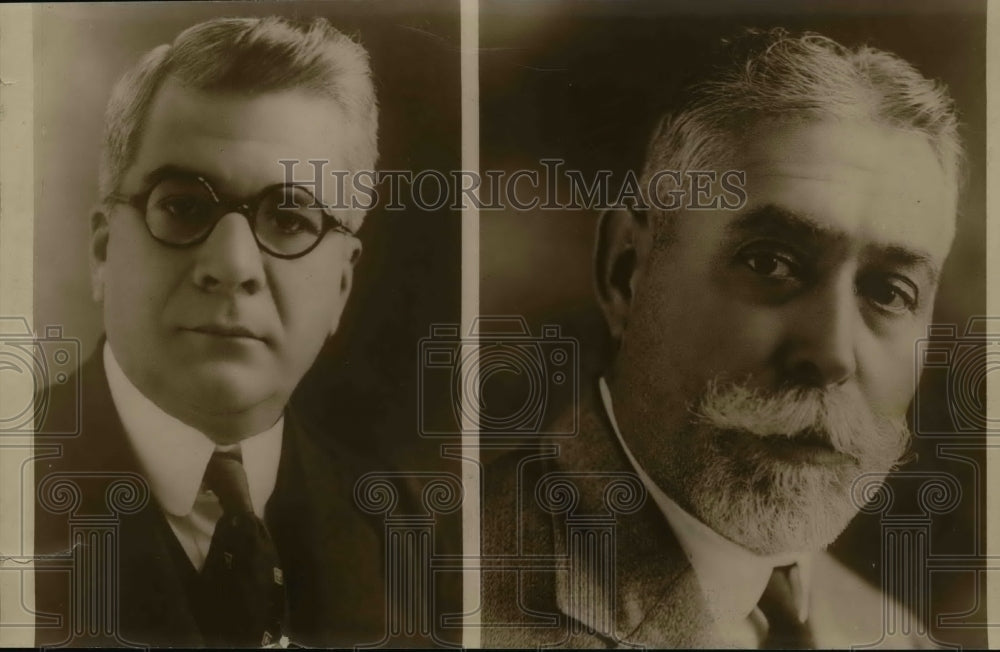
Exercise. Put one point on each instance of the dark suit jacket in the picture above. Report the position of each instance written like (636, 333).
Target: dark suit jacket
(576, 554)
(331, 552)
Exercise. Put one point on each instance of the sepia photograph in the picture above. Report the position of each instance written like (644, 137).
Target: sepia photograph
(348, 324)
(757, 226)
(229, 316)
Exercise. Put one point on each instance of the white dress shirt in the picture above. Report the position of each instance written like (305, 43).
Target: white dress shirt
(731, 577)
(173, 456)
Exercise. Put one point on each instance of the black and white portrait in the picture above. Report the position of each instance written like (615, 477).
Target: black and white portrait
(495, 324)
(210, 252)
(758, 224)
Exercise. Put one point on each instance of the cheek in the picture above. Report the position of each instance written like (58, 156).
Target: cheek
(137, 278)
(888, 372)
(309, 298)
(696, 319)
(704, 331)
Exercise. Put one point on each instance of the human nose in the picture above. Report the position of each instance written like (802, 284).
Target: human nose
(229, 260)
(822, 336)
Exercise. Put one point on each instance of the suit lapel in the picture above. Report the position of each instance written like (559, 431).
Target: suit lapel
(650, 594)
(331, 553)
(152, 594)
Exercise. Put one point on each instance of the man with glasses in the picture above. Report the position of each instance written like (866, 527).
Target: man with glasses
(220, 280)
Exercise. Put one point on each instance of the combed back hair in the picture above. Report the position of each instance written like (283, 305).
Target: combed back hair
(774, 74)
(250, 56)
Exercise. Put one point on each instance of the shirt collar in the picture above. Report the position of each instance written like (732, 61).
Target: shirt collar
(731, 577)
(174, 456)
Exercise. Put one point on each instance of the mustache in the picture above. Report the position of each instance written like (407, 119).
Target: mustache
(838, 417)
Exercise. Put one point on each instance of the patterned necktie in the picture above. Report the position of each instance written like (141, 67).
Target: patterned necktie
(785, 631)
(242, 586)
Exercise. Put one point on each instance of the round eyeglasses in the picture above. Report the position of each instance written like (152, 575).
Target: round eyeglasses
(182, 210)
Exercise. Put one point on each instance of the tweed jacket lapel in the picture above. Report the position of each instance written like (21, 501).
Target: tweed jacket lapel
(585, 584)
(649, 595)
(656, 599)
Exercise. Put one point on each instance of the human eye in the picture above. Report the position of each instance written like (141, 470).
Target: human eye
(289, 222)
(771, 261)
(181, 200)
(186, 207)
(290, 211)
(890, 293)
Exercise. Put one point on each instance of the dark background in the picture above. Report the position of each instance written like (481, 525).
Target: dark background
(363, 388)
(583, 80)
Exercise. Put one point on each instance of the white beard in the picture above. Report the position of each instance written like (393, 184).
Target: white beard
(737, 482)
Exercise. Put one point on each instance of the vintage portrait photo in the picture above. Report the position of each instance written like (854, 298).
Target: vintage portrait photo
(498, 324)
(233, 305)
(754, 225)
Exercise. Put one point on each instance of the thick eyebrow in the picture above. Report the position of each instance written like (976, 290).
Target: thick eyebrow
(168, 170)
(171, 170)
(902, 257)
(772, 219)
(776, 220)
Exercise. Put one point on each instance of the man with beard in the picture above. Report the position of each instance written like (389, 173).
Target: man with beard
(763, 364)
(220, 280)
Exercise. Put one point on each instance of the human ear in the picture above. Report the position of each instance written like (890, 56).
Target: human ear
(621, 248)
(355, 251)
(99, 234)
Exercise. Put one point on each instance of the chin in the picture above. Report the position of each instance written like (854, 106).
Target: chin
(228, 389)
(769, 504)
(782, 514)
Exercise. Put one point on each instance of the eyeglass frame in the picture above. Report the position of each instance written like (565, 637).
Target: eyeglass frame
(246, 208)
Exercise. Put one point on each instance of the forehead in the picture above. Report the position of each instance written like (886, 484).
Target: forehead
(238, 140)
(869, 182)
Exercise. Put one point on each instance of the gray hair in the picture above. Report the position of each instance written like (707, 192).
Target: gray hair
(250, 56)
(776, 74)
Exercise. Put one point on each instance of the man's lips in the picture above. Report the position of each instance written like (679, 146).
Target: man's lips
(812, 438)
(234, 331)
(806, 444)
